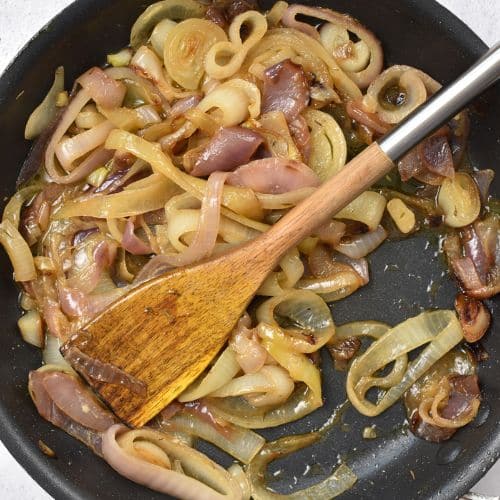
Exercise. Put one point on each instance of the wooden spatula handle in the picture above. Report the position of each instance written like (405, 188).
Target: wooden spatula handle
(331, 197)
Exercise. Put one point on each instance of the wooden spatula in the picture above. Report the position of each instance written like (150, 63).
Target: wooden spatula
(162, 335)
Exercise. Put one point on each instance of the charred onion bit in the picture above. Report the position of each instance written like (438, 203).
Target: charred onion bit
(474, 317)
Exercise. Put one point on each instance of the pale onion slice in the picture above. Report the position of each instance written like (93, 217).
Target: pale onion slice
(159, 35)
(367, 208)
(240, 443)
(342, 479)
(310, 315)
(240, 412)
(328, 144)
(176, 10)
(31, 328)
(439, 329)
(224, 369)
(18, 251)
(460, 200)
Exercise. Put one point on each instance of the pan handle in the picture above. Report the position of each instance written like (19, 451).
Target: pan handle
(443, 105)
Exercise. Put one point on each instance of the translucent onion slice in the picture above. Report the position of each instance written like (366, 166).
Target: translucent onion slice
(18, 251)
(240, 412)
(41, 117)
(306, 319)
(271, 385)
(12, 211)
(359, 246)
(277, 282)
(328, 144)
(138, 198)
(240, 443)
(185, 49)
(175, 10)
(159, 35)
(30, 326)
(334, 287)
(224, 369)
(342, 479)
(52, 355)
(460, 200)
(367, 208)
(439, 329)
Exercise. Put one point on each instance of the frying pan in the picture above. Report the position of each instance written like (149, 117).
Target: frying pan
(407, 277)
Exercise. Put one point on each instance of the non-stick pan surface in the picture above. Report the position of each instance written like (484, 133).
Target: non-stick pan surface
(396, 465)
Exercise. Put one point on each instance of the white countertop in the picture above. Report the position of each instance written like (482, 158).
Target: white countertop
(21, 19)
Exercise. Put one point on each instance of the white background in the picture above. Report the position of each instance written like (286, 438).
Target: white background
(21, 19)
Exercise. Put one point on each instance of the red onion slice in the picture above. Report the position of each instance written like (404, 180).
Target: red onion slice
(132, 243)
(103, 89)
(230, 147)
(285, 89)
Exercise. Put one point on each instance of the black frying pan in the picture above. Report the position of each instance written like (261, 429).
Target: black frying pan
(394, 466)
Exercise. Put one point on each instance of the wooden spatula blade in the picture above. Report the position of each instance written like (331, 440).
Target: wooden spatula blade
(165, 333)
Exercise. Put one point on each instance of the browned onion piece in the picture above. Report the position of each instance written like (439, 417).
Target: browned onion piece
(343, 350)
(285, 89)
(473, 249)
(361, 78)
(331, 232)
(132, 243)
(62, 399)
(273, 176)
(302, 136)
(454, 375)
(103, 89)
(429, 162)
(436, 156)
(230, 147)
(474, 317)
(97, 371)
(374, 123)
(466, 273)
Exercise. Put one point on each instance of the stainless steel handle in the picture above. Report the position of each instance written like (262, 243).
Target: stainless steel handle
(443, 105)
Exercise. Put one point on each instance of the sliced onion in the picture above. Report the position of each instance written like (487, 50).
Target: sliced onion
(175, 10)
(223, 370)
(439, 329)
(368, 208)
(103, 89)
(240, 412)
(342, 479)
(30, 326)
(271, 385)
(460, 200)
(239, 442)
(18, 251)
(52, 354)
(359, 246)
(43, 115)
(69, 150)
(121, 448)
